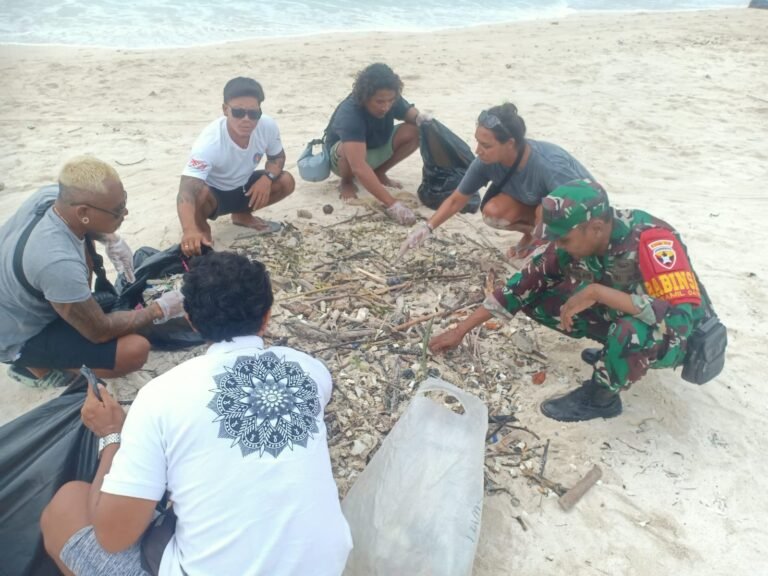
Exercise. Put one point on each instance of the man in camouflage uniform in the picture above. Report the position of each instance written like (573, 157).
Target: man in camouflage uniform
(620, 277)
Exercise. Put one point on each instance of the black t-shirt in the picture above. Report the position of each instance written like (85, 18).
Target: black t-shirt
(352, 122)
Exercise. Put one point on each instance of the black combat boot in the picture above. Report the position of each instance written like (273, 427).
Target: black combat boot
(586, 402)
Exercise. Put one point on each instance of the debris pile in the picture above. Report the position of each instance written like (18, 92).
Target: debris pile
(341, 296)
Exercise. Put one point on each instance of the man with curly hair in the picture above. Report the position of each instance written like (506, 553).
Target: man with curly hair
(236, 436)
(364, 141)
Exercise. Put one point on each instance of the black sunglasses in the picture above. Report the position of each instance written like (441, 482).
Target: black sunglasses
(241, 113)
(115, 214)
(492, 122)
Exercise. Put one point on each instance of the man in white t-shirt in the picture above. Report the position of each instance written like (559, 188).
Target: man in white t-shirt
(236, 437)
(221, 177)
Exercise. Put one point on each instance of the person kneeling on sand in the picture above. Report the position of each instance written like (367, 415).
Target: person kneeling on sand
(522, 172)
(221, 177)
(236, 436)
(364, 141)
(49, 320)
(604, 275)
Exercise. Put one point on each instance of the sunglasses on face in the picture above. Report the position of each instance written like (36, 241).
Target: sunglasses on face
(116, 214)
(492, 122)
(242, 112)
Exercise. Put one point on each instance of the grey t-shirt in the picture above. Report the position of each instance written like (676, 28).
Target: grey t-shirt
(54, 263)
(548, 167)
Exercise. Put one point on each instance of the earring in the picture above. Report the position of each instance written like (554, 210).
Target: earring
(85, 220)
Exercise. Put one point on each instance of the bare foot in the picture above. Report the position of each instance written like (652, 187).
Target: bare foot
(388, 182)
(347, 190)
(250, 221)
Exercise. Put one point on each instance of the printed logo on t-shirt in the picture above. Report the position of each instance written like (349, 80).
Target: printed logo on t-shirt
(196, 164)
(264, 404)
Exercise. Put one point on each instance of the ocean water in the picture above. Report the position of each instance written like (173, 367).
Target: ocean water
(168, 23)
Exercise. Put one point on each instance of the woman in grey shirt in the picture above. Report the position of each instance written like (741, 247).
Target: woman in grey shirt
(521, 172)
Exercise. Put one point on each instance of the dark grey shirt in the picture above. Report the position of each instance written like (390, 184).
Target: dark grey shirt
(54, 263)
(352, 122)
(548, 167)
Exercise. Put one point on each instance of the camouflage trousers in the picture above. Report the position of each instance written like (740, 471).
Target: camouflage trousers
(630, 346)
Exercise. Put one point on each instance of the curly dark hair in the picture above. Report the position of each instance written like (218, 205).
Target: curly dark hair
(373, 78)
(513, 124)
(226, 295)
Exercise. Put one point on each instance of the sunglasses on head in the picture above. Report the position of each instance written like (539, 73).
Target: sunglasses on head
(242, 112)
(492, 122)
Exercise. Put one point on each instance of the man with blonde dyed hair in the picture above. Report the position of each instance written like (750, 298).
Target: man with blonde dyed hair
(49, 321)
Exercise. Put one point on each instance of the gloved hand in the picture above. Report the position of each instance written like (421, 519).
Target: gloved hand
(119, 253)
(416, 238)
(401, 214)
(422, 117)
(171, 304)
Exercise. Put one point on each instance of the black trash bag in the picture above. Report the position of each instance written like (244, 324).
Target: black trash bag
(446, 159)
(151, 263)
(39, 452)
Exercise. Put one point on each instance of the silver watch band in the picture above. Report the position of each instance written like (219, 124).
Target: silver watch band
(105, 441)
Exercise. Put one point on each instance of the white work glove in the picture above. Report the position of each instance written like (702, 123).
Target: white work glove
(401, 214)
(422, 117)
(171, 304)
(416, 238)
(119, 253)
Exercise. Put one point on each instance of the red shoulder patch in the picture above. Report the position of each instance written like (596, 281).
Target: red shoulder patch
(665, 268)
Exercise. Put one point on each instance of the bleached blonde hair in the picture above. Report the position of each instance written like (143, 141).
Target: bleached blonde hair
(85, 174)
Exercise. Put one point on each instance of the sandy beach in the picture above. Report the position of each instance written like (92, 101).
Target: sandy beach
(668, 110)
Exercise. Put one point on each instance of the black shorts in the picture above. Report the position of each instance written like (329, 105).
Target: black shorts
(60, 346)
(229, 201)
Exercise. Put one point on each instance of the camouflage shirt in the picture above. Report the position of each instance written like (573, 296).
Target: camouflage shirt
(618, 268)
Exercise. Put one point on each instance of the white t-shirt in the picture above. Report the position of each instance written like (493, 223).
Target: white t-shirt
(237, 437)
(222, 164)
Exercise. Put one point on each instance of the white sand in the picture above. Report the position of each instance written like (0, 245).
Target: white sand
(669, 111)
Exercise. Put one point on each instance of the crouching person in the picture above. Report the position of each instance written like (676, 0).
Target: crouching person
(50, 323)
(236, 437)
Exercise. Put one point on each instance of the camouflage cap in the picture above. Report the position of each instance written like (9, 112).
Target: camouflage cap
(572, 204)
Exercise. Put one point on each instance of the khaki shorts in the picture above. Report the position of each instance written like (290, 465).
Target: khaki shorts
(374, 157)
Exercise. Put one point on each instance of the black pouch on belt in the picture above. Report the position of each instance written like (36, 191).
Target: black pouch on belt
(706, 351)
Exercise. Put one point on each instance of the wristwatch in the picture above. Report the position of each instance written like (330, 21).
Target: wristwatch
(272, 177)
(105, 441)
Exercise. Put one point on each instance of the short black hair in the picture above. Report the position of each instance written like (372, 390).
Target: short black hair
(240, 86)
(511, 121)
(226, 295)
(373, 78)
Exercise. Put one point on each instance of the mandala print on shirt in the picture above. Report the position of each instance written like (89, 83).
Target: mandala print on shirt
(265, 404)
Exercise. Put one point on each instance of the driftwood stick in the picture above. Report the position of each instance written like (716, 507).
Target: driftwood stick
(426, 317)
(374, 277)
(318, 291)
(573, 495)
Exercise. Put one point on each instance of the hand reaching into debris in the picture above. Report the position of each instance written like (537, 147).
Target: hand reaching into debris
(451, 338)
(416, 238)
(401, 213)
(448, 340)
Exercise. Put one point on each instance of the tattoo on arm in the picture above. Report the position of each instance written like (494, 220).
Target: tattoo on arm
(276, 162)
(88, 318)
(189, 188)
